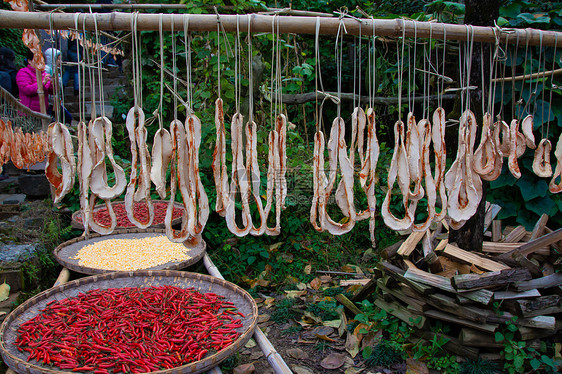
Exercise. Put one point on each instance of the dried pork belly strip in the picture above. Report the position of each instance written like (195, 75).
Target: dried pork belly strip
(240, 179)
(553, 186)
(100, 228)
(463, 184)
(527, 127)
(60, 144)
(84, 169)
(253, 170)
(512, 160)
(134, 117)
(319, 182)
(358, 123)
(281, 127)
(178, 177)
(425, 131)
(196, 189)
(220, 172)
(398, 171)
(337, 151)
(541, 161)
(503, 145)
(439, 149)
(272, 182)
(485, 155)
(15, 151)
(99, 186)
(367, 176)
(161, 157)
(413, 149)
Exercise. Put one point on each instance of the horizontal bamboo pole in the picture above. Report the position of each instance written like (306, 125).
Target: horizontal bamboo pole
(287, 24)
(528, 76)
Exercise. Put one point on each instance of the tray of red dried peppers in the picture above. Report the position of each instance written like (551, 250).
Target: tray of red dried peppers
(135, 322)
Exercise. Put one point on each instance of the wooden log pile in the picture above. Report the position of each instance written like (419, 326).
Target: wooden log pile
(424, 279)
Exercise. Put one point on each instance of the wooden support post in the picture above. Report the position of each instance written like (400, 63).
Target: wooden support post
(348, 304)
(496, 230)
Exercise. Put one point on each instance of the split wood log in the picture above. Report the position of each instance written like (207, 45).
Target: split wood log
(490, 279)
(354, 282)
(538, 322)
(538, 230)
(492, 211)
(508, 295)
(449, 305)
(501, 247)
(450, 318)
(474, 338)
(515, 235)
(348, 304)
(453, 345)
(531, 247)
(496, 230)
(398, 311)
(549, 281)
(398, 274)
(417, 304)
(557, 245)
(523, 261)
(461, 255)
(529, 333)
(540, 306)
(410, 243)
(390, 251)
(365, 291)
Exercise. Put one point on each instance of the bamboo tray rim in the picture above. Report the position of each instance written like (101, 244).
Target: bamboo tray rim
(196, 252)
(241, 298)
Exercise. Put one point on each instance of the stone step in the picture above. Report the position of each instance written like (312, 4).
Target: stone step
(10, 199)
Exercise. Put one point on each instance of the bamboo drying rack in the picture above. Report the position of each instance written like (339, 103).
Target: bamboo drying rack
(285, 24)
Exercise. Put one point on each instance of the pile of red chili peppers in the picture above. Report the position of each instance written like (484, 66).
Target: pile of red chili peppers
(130, 330)
(102, 217)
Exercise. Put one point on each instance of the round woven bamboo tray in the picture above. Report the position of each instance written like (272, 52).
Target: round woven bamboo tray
(17, 361)
(65, 252)
(78, 225)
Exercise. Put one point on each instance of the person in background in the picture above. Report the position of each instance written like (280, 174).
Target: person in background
(71, 71)
(8, 71)
(53, 63)
(26, 79)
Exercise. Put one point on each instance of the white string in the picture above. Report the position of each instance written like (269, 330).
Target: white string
(219, 54)
(551, 84)
(100, 78)
(272, 87)
(187, 42)
(236, 65)
(400, 70)
(250, 74)
(174, 70)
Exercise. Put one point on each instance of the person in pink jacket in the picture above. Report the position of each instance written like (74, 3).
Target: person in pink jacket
(27, 84)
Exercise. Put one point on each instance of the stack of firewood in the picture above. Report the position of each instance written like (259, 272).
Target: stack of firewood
(425, 279)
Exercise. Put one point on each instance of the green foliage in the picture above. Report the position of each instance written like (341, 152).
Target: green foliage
(478, 367)
(434, 354)
(291, 330)
(326, 310)
(385, 353)
(284, 311)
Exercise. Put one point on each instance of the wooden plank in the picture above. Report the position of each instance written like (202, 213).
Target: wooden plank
(452, 268)
(450, 318)
(500, 247)
(532, 246)
(354, 282)
(530, 333)
(515, 235)
(410, 243)
(348, 304)
(506, 295)
(538, 230)
(490, 279)
(401, 313)
(424, 277)
(449, 304)
(398, 274)
(496, 230)
(557, 245)
(492, 211)
(538, 322)
(540, 306)
(461, 255)
(416, 302)
(480, 296)
(549, 281)
(391, 250)
(474, 338)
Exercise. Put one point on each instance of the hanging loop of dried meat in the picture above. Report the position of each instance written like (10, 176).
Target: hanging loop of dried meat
(281, 127)
(485, 155)
(139, 157)
(439, 149)
(179, 177)
(369, 160)
(398, 171)
(199, 202)
(161, 157)
(413, 149)
(319, 182)
(220, 170)
(273, 184)
(238, 181)
(60, 147)
(553, 186)
(253, 171)
(464, 185)
(527, 126)
(85, 166)
(512, 159)
(425, 132)
(337, 152)
(101, 131)
(541, 161)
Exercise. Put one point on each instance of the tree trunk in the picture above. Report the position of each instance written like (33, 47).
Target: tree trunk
(480, 13)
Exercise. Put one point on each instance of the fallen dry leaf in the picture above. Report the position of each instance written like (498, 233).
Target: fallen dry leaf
(357, 331)
(287, 257)
(297, 354)
(263, 318)
(326, 279)
(251, 343)
(292, 294)
(4, 291)
(315, 283)
(371, 339)
(333, 361)
(269, 302)
(256, 355)
(352, 345)
(274, 246)
(334, 323)
(301, 286)
(342, 328)
(416, 367)
(303, 341)
(308, 269)
(353, 370)
(301, 370)
(325, 337)
(244, 369)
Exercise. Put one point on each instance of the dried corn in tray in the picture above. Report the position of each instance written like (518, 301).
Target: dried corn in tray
(127, 250)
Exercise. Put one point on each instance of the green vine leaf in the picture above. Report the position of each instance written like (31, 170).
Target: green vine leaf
(532, 188)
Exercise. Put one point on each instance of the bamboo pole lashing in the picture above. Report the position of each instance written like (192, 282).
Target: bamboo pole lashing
(287, 24)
